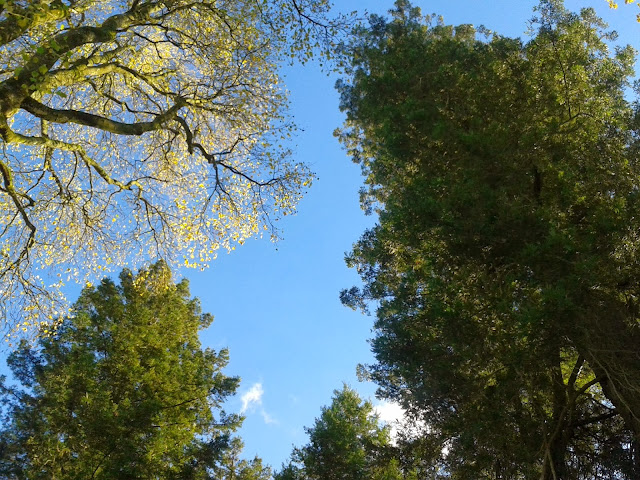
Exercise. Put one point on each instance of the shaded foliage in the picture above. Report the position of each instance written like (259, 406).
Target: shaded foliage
(504, 263)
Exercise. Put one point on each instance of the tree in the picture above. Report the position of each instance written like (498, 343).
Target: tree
(155, 125)
(504, 264)
(232, 467)
(345, 443)
(122, 390)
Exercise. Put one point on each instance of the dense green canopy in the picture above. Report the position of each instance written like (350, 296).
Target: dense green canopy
(505, 264)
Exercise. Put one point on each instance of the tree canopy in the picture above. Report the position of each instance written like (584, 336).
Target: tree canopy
(122, 390)
(346, 442)
(504, 265)
(132, 129)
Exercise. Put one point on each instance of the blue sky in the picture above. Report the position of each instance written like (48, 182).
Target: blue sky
(276, 307)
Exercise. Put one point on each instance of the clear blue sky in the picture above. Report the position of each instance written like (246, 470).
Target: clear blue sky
(276, 307)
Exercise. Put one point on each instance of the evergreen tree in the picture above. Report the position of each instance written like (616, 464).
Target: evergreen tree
(121, 390)
(505, 264)
(345, 443)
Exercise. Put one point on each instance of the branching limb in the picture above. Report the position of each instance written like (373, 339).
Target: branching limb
(9, 187)
(576, 371)
(96, 121)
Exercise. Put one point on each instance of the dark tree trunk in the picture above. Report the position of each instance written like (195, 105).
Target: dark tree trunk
(554, 462)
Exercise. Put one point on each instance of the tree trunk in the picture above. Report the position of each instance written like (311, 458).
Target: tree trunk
(554, 466)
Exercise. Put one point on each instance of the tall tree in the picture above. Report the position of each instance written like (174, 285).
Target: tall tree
(122, 390)
(346, 443)
(505, 257)
(131, 128)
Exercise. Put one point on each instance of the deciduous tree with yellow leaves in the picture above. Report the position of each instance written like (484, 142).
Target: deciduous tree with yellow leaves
(137, 128)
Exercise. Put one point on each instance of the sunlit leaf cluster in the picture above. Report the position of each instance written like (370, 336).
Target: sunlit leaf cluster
(142, 128)
(614, 5)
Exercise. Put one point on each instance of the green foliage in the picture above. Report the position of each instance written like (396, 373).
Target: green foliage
(122, 390)
(345, 443)
(232, 467)
(504, 264)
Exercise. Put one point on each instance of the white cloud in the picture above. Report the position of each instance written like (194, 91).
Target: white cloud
(268, 419)
(252, 402)
(252, 398)
(390, 413)
(393, 415)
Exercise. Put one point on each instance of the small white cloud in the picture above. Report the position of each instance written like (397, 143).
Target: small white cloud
(252, 398)
(268, 419)
(252, 402)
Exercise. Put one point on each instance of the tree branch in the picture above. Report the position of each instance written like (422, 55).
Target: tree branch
(598, 418)
(96, 121)
(576, 371)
